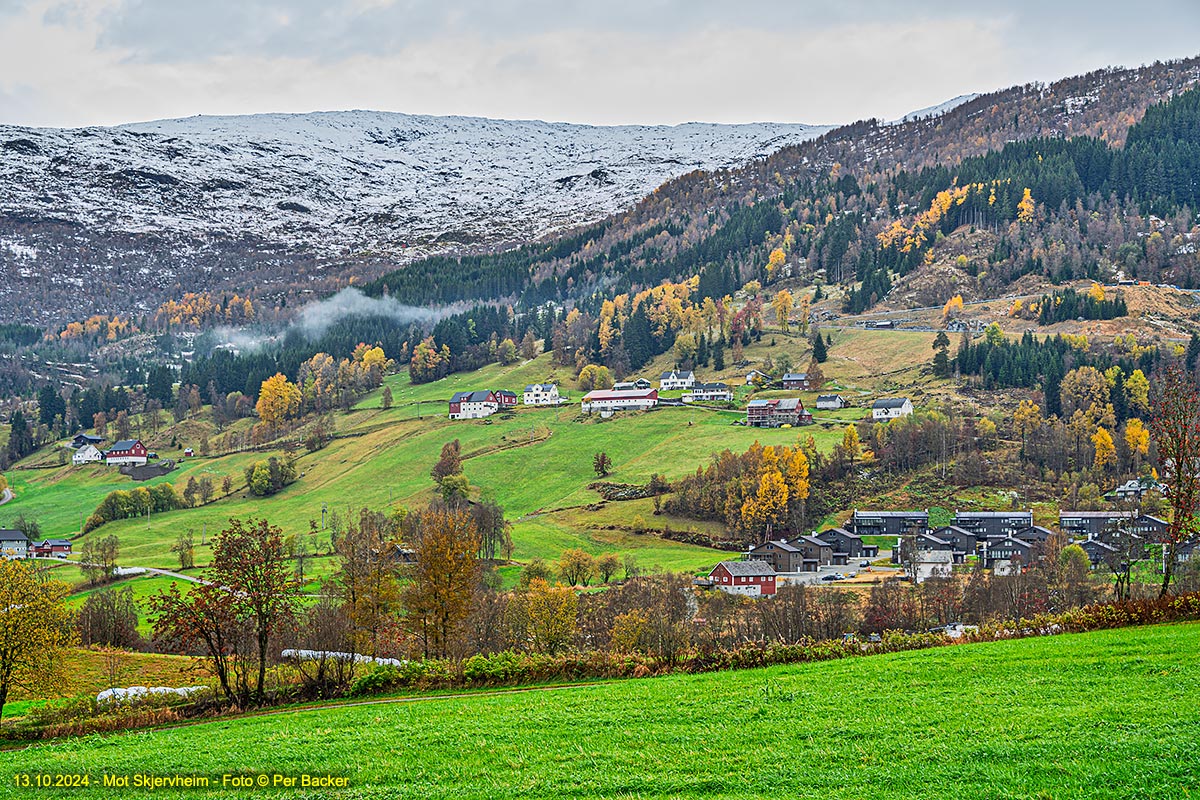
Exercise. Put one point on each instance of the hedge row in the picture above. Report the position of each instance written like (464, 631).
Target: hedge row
(510, 668)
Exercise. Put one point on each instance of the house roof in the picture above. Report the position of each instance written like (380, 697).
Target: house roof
(505, 392)
(796, 376)
(822, 398)
(676, 374)
(993, 514)
(711, 387)
(781, 544)
(124, 444)
(955, 529)
(813, 540)
(618, 394)
(901, 514)
(1034, 532)
(9, 535)
(890, 402)
(88, 437)
(746, 568)
(1091, 515)
(933, 538)
(1009, 543)
(478, 396)
(1095, 543)
(539, 387)
(838, 532)
(54, 543)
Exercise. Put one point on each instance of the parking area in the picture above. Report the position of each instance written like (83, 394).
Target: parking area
(853, 571)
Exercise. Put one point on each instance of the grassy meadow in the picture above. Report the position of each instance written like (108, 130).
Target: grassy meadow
(537, 463)
(1111, 714)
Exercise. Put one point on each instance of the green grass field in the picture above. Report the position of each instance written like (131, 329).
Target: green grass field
(537, 464)
(1112, 714)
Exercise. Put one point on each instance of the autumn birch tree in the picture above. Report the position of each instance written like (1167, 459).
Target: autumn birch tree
(443, 582)
(35, 630)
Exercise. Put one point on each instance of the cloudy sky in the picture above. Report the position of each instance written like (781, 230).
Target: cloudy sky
(81, 62)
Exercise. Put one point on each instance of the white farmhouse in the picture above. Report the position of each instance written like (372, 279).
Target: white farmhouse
(709, 393)
(542, 394)
(672, 380)
(891, 408)
(13, 544)
(831, 402)
(88, 454)
(479, 404)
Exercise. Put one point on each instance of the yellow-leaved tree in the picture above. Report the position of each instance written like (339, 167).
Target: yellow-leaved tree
(1026, 207)
(775, 261)
(1028, 418)
(1106, 451)
(278, 400)
(782, 303)
(767, 507)
(1137, 439)
(1137, 388)
(953, 306)
(35, 630)
(851, 448)
(544, 617)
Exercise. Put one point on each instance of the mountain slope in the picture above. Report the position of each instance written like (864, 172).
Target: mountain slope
(176, 199)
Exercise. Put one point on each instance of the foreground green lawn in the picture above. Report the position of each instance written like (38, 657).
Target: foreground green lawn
(1109, 714)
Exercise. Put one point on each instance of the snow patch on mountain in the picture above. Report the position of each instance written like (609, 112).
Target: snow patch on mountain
(356, 181)
(935, 111)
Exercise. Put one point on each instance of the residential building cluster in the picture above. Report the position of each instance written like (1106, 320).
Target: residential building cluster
(15, 544)
(87, 450)
(1003, 541)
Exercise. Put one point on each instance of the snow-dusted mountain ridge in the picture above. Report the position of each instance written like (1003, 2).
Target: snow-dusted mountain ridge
(349, 181)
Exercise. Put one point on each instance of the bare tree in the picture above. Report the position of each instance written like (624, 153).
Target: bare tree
(1175, 428)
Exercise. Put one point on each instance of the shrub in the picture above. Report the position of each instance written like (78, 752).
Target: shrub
(377, 679)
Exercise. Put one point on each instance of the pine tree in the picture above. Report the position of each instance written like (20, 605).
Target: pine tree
(819, 352)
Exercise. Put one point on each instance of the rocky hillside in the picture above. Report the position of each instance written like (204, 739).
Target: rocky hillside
(196, 202)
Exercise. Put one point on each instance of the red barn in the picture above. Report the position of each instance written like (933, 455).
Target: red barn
(750, 578)
(126, 451)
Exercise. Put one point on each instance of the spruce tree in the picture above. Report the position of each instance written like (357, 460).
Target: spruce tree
(818, 348)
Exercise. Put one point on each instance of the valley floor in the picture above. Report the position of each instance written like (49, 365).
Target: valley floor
(1107, 714)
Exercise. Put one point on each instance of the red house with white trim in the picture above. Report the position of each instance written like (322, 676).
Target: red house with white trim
(50, 548)
(126, 451)
(749, 578)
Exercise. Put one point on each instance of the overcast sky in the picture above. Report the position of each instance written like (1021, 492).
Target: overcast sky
(82, 62)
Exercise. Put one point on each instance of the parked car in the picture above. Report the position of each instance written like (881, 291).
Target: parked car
(864, 564)
(874, 637)
(839, 576)
(830, 578)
